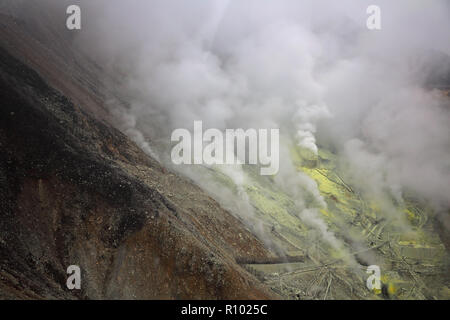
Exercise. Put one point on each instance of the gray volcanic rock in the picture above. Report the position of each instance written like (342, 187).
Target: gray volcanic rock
(75, 191)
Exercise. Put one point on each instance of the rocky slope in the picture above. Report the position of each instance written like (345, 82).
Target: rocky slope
(75, 191)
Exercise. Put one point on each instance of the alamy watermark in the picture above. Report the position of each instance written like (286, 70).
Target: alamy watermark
(214, 147)
(73, 21)
(374, 280)
(374, 20)
(74, 279)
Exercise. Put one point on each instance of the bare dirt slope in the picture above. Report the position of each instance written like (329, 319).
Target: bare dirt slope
(73, 190)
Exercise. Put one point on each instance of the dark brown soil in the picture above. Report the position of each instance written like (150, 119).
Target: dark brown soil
(74, 190)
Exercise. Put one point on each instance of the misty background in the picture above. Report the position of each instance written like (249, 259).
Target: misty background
(310, 68)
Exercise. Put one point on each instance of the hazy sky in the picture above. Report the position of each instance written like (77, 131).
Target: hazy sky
(310, 68)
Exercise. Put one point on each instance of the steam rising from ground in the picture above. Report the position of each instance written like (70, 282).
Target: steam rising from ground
(310, 68)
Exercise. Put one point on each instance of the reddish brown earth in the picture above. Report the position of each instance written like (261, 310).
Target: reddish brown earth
(74, 190)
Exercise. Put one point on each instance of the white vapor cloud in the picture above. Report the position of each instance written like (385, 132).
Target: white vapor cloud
(310, 68)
